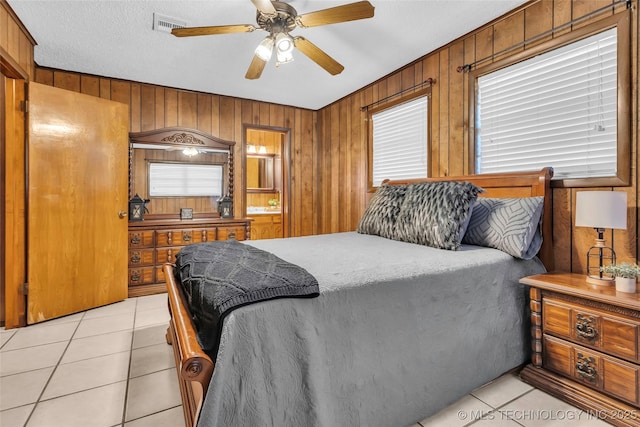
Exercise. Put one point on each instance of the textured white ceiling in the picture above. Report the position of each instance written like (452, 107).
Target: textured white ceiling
(115, 39)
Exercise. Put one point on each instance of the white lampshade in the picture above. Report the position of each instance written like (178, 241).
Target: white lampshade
(601, 209)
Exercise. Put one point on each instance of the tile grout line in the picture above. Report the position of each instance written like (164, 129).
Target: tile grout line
(26, 423)
(126, 390)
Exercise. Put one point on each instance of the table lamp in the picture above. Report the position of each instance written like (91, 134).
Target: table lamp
(600, 210)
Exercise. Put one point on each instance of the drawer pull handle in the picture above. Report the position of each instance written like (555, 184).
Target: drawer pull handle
(585, 369)
(135, 239)
(135, 276)
(135, 258)
(584, 327)
(186, 236)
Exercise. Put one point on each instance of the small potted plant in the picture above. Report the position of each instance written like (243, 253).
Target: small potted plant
(273, 203)
(626, 274)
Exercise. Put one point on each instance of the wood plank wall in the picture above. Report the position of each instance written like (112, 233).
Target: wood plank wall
(156, 107)
(342, 148)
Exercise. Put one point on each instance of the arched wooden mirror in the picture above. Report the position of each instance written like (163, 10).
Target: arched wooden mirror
(179, 168)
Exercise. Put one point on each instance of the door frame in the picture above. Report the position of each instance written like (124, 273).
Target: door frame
(285, 151)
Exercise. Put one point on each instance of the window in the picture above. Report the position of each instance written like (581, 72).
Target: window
(398, 141)
(559, 109)
(185, 180)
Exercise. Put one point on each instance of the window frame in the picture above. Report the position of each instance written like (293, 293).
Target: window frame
(401, 100)
(623, 168)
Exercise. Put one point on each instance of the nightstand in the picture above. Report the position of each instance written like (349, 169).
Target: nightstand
(586, 345)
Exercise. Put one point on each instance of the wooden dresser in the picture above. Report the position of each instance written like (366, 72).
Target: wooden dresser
(586, 345)
(156, 241)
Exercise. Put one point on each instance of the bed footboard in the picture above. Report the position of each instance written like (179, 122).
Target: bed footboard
(194, 366)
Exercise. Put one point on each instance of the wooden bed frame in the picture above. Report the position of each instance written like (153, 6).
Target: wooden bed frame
(195, 367)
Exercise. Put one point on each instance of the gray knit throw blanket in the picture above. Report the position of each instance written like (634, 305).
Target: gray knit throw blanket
(219, 276)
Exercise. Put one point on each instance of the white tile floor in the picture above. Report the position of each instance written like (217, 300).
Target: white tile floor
(111, 367)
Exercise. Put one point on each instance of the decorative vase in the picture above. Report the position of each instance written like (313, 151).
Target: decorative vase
(624, 284)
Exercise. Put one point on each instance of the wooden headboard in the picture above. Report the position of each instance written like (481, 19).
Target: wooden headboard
(513, 184)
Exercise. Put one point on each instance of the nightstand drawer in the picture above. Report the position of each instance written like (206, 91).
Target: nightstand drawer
(593, 327)
(596, 370)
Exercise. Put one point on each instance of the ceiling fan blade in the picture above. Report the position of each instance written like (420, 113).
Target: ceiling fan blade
(264, 6)
(207, 31)
(318, 56)
(255, 68)
(333, 15)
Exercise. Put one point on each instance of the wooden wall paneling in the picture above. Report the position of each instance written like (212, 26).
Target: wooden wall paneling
(90, 85)
(44, 76)
(121, 91)
(344, 199)
(204, 113)
(562, 229)
(159, 106)
(562, 13)
(440, 163)
(507, 33)
(105, 88)
(484, 46)
(538, 19)
(4, 27)
(469, 57)
(457, 148)
(308, 173)
(187, 109)
(170, 107)
(135, 107)
(68, 81)
(335, 195)
(358, 160)
(147, 108)
(215, 115)
(584, 7)
(431, 69)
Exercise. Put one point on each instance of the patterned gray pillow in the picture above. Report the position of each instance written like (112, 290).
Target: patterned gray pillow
(511, 225)
(434, 213)
(380, 216)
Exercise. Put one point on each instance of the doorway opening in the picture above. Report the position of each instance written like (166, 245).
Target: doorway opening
(266, 181)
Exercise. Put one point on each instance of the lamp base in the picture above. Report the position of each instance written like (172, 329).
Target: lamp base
(601, 281)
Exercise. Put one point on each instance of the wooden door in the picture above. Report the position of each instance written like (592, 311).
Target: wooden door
(77, 202)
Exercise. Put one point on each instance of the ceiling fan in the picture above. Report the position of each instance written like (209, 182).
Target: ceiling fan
(278, 19)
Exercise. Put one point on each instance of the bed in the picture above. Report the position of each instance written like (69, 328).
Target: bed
(399, 330)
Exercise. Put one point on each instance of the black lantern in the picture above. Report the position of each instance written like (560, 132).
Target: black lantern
(136, 208)
(225, 207)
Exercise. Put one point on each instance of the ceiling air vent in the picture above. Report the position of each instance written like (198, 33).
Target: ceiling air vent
(166, 23)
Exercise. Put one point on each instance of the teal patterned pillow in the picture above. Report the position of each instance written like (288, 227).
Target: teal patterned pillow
(435, 213)
(380, 216)
(512, 225)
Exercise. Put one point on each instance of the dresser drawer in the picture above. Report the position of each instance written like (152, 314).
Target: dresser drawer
(201, 235)
(608, 332)
(174, 237)
(141, 239)
(227, 233)
(141, 257)
(141, 276)
(164, 255)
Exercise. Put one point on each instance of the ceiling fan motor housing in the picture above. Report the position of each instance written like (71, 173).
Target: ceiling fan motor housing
(283, 21)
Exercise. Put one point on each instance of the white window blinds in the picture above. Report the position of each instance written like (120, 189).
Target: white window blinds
(557, 109)
(400, 141)
(181, 179)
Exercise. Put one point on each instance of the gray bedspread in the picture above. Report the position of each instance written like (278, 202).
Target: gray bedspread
(398, 332)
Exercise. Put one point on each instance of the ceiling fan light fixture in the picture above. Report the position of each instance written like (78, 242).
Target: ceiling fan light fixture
(265, 49)
(284, 48)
